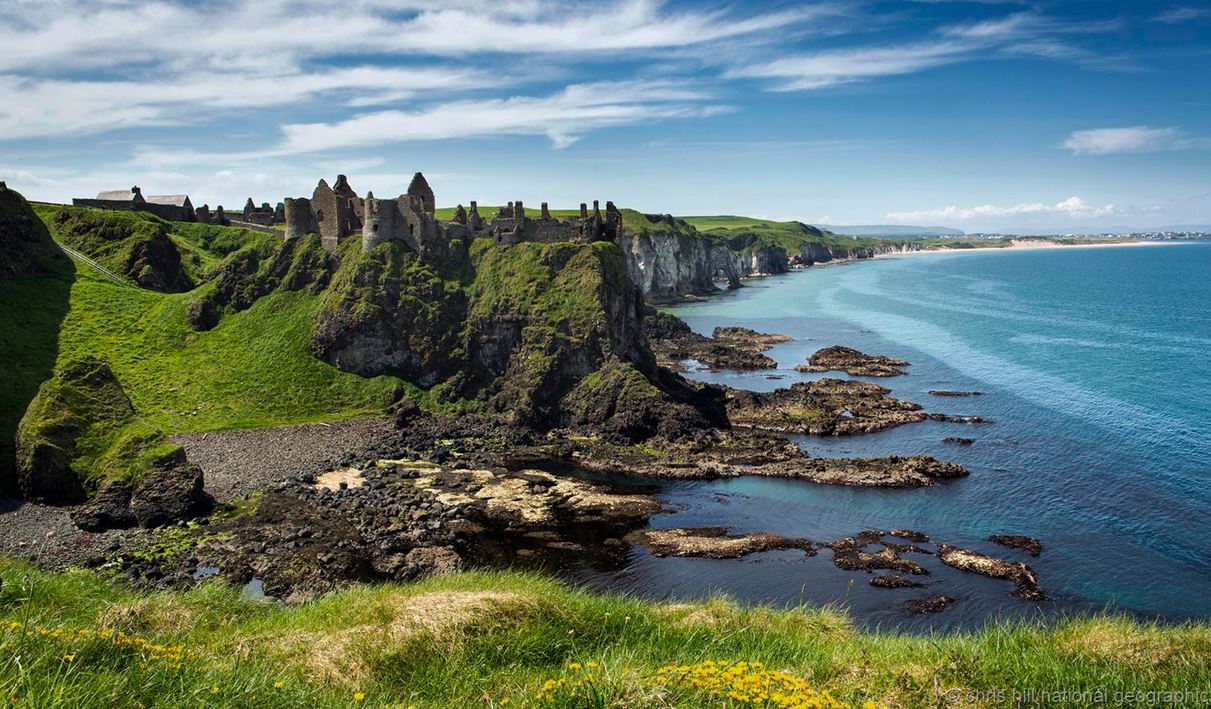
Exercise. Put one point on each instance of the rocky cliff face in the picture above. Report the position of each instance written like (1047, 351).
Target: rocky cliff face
(669, 259)
(514, 326)
(668, 264)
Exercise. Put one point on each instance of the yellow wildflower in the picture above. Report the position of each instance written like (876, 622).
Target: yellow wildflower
(359, 697)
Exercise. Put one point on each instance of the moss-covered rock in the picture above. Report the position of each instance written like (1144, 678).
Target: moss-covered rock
(126, 243)
(80, 431)
(26, 246)
(388, 312)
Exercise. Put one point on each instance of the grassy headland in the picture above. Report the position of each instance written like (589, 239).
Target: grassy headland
(511, 639)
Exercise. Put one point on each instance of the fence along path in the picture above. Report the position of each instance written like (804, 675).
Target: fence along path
(96, 266)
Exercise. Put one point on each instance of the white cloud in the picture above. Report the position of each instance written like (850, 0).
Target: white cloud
(842, 66)
(1181, 14)
(1023, 33)
(31, 107)
(79, 67)
(248, 33)
(1073, 207)
(1132, 139)
(562, 117)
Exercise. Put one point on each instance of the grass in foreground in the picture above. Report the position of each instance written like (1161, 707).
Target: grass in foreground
(509, 639)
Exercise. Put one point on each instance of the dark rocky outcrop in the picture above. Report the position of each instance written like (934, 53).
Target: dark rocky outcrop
(81, 435)
(852, 362)
(735, 348)
(172, 491)
(943, 392)
(26, 246)
(893, 581)
(402, 519)
(958, 441)
(849, 554)
(1016, 541)
(169, 492)
(935, 603)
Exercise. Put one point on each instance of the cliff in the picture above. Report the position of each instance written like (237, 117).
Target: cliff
(512, 327)
(671, 258)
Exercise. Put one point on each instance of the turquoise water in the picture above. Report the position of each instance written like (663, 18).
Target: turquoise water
(1094, 366)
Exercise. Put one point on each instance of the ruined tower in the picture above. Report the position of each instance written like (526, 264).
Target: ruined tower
(299, 218)
(336, 211)
(419, 187)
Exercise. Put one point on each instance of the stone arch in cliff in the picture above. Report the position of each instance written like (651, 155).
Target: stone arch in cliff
(724, 267)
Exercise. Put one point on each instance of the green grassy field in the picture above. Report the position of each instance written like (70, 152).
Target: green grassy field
(512, 639)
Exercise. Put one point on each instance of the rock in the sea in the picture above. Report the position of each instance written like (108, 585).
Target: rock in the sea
(1017, 541)
(849, 554)
(957, 441)
(737, 348)
(893, 581)
(824, 407)
(892, 471)
(852, 362)
(712, 542)
(911, 535)
(1020, 574)
(935, 603)
(941, 392)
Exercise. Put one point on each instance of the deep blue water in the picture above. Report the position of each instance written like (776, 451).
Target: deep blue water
(1094, 364)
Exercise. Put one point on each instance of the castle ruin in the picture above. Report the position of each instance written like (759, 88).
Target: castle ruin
(337, 211)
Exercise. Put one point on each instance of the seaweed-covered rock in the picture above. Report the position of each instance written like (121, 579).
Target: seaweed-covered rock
(713, 542)
(935, 603)
(823, 407)
(25, 244)
(1017, 541)
(737, 348)
(893, 581)
(1020, 574)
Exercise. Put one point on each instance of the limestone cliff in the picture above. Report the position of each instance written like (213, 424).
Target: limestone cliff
(669, 259)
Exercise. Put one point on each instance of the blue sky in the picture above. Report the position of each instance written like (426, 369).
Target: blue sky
(978, 115)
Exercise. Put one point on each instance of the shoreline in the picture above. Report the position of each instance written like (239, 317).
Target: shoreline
(1026, 246)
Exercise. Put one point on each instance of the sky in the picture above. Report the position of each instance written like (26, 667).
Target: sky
(983, 116)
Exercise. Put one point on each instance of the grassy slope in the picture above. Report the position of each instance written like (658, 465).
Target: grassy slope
(254, 369)
(476, 639)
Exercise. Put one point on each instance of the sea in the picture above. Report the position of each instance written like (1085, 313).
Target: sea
(1094, 365)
